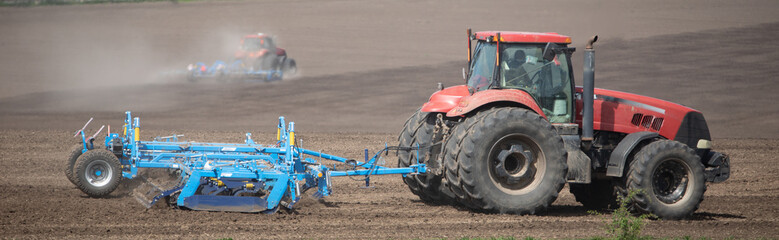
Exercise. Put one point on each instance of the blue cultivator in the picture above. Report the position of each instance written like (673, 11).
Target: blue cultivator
(235, 70)
(240, 177)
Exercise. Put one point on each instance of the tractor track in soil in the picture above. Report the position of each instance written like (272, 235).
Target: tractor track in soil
(724, 67)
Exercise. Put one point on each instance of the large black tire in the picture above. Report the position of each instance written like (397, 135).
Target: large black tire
(451, 165)
(73, 154)
(598, 195)
(507, 160)
(98, 172)
(289, 67)
(269, 62)
(668, 178)
(418, 129)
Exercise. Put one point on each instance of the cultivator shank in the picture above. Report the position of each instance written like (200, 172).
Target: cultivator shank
(240, 177)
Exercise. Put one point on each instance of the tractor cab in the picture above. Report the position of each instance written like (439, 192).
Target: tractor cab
(253, 43)
(255, 46)
(536, 63)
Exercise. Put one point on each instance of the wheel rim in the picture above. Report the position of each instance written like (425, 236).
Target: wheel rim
(670, 180)
(98, 173)
(517, 164)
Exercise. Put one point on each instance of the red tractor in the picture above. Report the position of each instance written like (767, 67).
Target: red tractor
(518, 129)
(257, 58)
(259, 52)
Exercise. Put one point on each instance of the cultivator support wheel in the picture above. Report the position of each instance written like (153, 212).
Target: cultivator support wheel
(98, 172)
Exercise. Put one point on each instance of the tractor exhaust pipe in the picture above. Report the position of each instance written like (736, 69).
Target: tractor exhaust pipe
(588, 93)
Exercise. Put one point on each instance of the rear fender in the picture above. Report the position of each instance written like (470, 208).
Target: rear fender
(486, 97)
(281, 52)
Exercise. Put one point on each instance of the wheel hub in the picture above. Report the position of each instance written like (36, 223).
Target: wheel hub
(98, 173)
(670, 181)
(515, 164)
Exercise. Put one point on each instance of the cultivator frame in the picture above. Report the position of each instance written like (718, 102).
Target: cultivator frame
(234, 70)
(239, 177)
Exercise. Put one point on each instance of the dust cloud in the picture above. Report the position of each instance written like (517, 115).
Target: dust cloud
(89, 66)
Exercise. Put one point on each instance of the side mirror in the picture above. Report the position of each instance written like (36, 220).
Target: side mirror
(550, 51)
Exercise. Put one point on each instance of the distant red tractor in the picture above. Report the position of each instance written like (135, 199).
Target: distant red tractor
(510, 138)
(260, 51)
(257, 58)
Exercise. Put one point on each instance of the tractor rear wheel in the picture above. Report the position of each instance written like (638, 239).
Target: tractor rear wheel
(289, 67)
(507, 160)
(419, 131)
(73, 154)
(268, 62)
(668, 178)
(597, 195)
(98, 172)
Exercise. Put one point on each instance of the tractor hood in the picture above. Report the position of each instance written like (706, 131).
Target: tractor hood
(628, 113)
(445, 99)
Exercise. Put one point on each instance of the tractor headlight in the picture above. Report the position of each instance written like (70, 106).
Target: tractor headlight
(704, 144)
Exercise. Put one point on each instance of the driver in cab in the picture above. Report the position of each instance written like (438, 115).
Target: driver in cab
(514, 73)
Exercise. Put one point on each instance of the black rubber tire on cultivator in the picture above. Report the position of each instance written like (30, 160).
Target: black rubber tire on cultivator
(507, 160)
(98, 172)
(418, 129)
(598, 195)
(73, 154)
(668, 178)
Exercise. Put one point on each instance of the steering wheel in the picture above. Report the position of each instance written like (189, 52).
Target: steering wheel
(523, 83)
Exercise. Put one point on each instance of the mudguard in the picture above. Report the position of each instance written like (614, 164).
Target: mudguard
(469, 103)
(281, 52)
(445, 99)
(616, 164)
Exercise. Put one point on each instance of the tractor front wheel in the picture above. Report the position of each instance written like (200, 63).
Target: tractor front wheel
(667, 177)
(507, 160)
(98, 172)
(289, 67)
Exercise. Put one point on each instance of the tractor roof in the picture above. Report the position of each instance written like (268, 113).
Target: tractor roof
(528, 37)
(259, 35)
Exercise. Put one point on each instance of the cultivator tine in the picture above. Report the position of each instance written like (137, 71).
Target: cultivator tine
(146, 194)
(149, 192)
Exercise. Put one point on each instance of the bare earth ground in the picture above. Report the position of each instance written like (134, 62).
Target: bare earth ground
(40, 202)
(61, 65)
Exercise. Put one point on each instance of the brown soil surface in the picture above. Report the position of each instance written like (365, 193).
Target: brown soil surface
(366, 67)
(39, 202)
